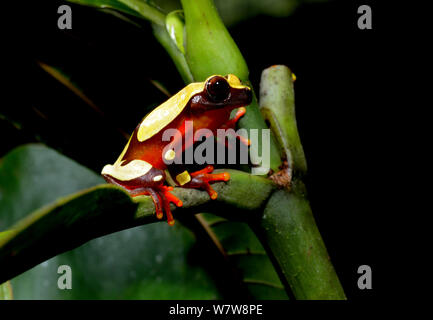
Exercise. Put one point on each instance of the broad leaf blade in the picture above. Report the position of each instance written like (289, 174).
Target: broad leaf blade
(146, 262)
(108, 4)
(33, 176)
(64, 225)
(244, 251)
(138, 8)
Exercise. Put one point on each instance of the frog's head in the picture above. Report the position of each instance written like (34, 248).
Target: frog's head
(222, 92)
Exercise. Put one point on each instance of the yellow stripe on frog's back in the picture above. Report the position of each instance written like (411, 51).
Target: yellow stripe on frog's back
(167, 112)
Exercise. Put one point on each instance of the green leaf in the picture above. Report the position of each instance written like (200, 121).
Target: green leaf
(33, 176)
(240, 246)
(40, 175)
(174, 23)
(150, 262)
(138, 8)
(61, 226)
(108, 4)
(6, 291)
(172, 49)
(209, 47)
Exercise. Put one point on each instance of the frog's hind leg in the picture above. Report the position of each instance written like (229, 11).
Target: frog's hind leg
(161, 197)
(151, 184)
(167, 197)
(156, 198)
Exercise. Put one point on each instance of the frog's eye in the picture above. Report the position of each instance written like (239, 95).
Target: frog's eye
(218, 88)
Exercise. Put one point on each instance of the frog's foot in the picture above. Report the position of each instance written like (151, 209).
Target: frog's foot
(161, 197)
(168, 197)
(202, 179)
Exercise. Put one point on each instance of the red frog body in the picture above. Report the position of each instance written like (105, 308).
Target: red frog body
(142, 168)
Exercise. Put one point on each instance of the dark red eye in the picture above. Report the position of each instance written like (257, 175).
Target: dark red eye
(217, 88)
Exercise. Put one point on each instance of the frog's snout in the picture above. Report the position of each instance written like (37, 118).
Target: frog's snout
(242, 97)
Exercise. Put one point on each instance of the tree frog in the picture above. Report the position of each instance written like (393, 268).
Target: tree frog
(141, 169)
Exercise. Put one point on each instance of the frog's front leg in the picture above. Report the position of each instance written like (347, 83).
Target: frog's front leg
(231, 124)
(151, 183)
(201, 179)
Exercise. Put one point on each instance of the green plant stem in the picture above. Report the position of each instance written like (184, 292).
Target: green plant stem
(209, 47)
(147, 11)
(277, 104)
(289, 233)
(137, 8)
(287, 228)
(178, 58)
(254, 120)
(211, 50)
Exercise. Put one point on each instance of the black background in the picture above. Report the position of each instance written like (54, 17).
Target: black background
(341, 108)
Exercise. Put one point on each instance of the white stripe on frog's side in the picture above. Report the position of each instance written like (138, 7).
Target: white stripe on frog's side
(134, 169)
